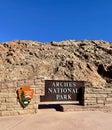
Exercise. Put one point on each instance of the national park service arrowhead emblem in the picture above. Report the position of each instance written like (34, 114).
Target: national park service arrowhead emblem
(25, 95)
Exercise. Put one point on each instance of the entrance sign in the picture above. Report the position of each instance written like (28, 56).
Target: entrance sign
(25, 95)
(62, 90)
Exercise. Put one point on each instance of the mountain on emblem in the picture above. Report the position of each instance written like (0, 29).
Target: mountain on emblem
(25, 95)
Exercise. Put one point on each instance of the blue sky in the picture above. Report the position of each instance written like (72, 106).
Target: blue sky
(55, 20)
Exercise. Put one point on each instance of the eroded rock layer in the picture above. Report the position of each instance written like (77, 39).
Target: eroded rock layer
(88, 60)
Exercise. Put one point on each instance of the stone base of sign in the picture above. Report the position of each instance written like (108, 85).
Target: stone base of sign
(9, 101)
(94, 98)
(97, 96)
(69, 108)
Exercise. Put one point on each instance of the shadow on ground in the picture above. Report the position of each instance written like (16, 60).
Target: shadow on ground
(50, 106)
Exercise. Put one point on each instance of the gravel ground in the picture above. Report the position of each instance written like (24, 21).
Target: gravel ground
(53, 120)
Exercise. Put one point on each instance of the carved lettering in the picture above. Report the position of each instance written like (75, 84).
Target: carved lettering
(62, 90)
(59, 90)
(63, 97)
(63, 84)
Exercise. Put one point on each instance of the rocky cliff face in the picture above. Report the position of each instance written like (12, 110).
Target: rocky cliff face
(86, 60)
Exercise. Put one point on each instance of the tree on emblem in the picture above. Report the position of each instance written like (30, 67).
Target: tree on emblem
(24, 101)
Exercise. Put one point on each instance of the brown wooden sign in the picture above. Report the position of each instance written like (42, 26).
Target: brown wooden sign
(60, 90)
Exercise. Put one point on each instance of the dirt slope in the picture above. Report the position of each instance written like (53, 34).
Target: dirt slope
(86, 60)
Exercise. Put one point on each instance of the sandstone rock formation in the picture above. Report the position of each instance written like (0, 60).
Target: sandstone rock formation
(88, 60)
